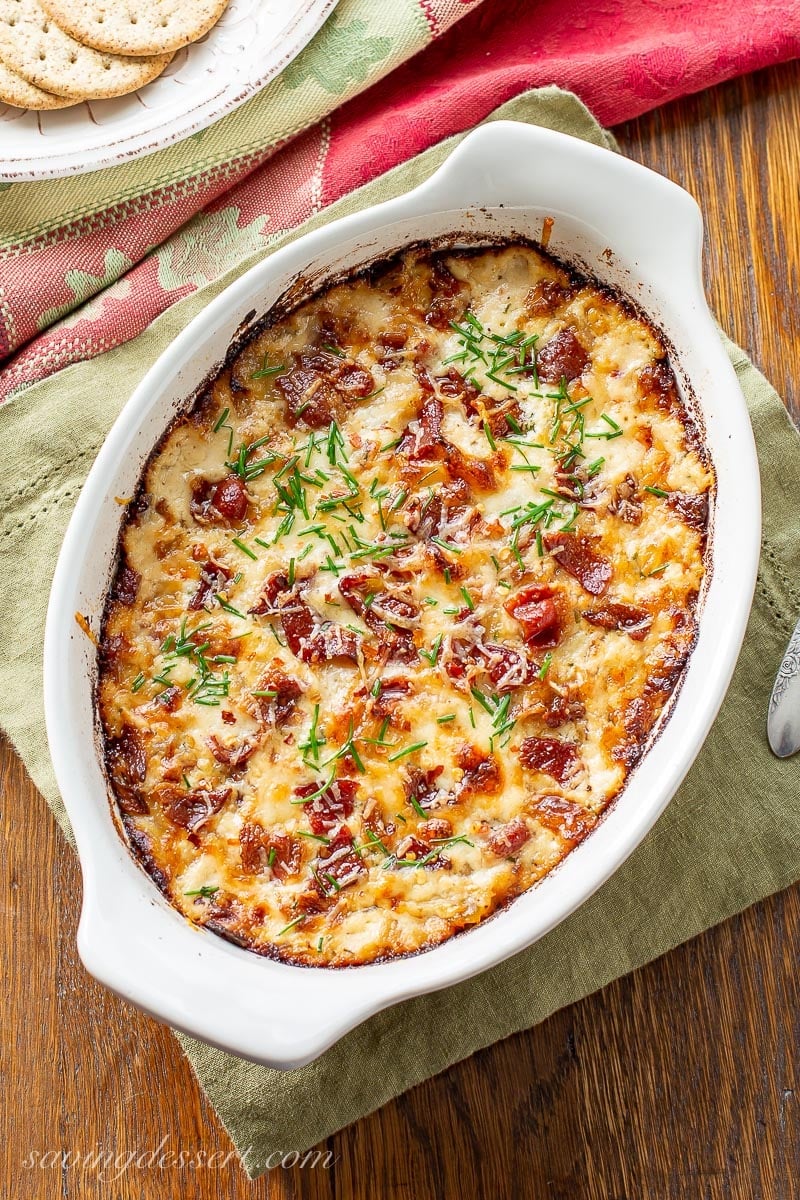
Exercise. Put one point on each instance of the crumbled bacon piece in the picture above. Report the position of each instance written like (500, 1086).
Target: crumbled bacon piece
(563, 357)
(506, 667)
(127, 765)
(191, 809)
(278, 708)
(625, 617)
(477, 472)
(275, 587)
(315, 641)
(422, 440)
(561, 709)
(446, 305)
(332, 806)
(230, 498)
(267, 850)
(576, 555)
(657, 383)
(392, 693)
(126, 585)
(307, 635)
(563, 817)
(692, 509)
(216, 643)
(577, 485)
(626, 502)
(455, 385)
(310, 396)
(170, 699)
(507, 839)
(339, 863)
(546, 297)
(234, 757)
(536, 611)
(422, 437)
(355, 382)
(434, 829)
(450, 505)
(394, 339)
(481, 772)
(421, 785)
(214, 500)
(477, 404)
(552, 757)
(390, 615)
(412, 849)
(213, 577)
(320, 385)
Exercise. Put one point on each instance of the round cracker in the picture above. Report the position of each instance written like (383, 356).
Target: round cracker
(37, 49)
(17, 91)
(136, 27)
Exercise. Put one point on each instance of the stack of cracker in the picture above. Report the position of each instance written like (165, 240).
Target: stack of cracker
(54, 53)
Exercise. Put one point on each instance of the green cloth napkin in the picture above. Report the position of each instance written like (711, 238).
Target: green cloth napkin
(730, 837)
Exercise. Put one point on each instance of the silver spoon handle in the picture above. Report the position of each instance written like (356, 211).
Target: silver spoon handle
(783, 718)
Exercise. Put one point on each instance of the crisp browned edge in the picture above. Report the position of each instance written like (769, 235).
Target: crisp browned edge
(307, 287)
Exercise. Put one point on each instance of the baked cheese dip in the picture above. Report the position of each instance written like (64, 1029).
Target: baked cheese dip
(399, 603)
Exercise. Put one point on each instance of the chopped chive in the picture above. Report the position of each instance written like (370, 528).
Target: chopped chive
(417, 807)
(432, 655)
(138, 682)
(487, 431)
(222, 419)
(373, 841)
(446, 545)
(291, 925)
(244, 549)
(655, 491)
(470, 603)
(445, 719)
(265, 371)
(206, 891)
(228, 608)
(406, 750)
(545, 667)
(482, 700)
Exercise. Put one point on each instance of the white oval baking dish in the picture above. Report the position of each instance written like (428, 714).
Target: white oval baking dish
(630, 228)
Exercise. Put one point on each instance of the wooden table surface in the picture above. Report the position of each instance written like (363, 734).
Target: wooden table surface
(601, 1102)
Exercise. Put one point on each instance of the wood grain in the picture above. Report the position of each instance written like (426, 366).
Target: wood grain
(678, 1081)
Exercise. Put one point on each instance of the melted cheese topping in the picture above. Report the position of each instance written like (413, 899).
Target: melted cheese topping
(399, 603)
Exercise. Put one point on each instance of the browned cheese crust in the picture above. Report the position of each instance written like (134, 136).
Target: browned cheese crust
(399, 604)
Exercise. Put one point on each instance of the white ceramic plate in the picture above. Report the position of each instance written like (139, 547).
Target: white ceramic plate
(632, 229)
(252, 43)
